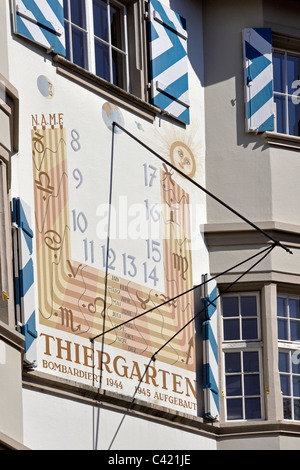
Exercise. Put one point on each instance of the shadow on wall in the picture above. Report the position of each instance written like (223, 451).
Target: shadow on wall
(192, 13)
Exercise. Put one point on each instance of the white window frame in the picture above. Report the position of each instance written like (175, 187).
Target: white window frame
(240, 346)
(286, 95)
(291, 347)
(90, 39)
(243, 397)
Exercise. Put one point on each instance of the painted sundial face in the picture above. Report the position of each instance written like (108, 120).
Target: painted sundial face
(182, 158)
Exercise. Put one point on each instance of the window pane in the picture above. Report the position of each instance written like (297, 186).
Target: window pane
(78, 13)
(79, 47)
(294, 308)
(287, 408)
(248, 306)
(292, 71)
(66, 9)
(117, 27)
(249, 329)
(67, 32)
(102, 60)
(251, 384)
(281, 307)
(285, 385)
(297, 410)
(233, 385)
(231, 330)
(295, 330)
(278, 70)
(252, 408)
(119, 69)
(100, 20)
(284, 362)
(230, 306)
(250, 361)
(296, 386)
(296, 362)
(282, 329)
(232, 362)
(294, 116)
(234, 409)
(280, 114)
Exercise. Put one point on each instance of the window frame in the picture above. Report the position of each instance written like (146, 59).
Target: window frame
(243, 397)
(241, 346)
(285, 94)
(239, 295)
(90, 38)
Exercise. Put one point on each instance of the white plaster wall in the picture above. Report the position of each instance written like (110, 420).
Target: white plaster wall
(52, 423)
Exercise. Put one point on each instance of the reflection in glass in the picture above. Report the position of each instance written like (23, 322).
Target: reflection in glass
(102, 60)
(100, 20)
(79, 47)
(278, 71)
(234, 408)
(232, 362)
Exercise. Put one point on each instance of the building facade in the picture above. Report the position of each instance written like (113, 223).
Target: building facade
(149, 235)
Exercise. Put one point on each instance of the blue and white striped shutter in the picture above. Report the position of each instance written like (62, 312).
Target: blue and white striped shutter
(169, 61)
(24, 277)
(210, 352)
(41, 21)
(258, 73)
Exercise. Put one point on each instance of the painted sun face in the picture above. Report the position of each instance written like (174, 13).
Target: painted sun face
(182, 158)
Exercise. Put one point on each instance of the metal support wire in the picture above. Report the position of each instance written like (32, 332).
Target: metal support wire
(205, 190)
(153, 358)
(185, 292)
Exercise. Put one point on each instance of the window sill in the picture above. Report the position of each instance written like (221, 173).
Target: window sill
(282, 140)
(109, 91)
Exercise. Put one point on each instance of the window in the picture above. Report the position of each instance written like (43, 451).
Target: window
(242, 356)
(96, 38)
(242, 385)
(289, 370)
(240, 320)
(286, 66)
(288, 319)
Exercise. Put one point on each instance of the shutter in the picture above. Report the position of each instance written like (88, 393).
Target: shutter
(24, 277)
(258, 75)
(41, 21)
(168, 61)
(210, 351)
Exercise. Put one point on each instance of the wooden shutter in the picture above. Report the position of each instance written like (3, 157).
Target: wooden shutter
(41, 21)
(210, 351)
(258, 76)
(24, 276)
(169, 61)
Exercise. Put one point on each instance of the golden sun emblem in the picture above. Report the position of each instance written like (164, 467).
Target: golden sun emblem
(183, 158)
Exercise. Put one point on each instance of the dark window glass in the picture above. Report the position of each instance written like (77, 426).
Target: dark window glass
(118, 63)
(102, 60)
(250, 361)
(278, 71)
(79, 47)
(281, 307)
(231, 330)
(234, 408)
(282, 329)
(249, 329)
(280, 114)
(252, 408)
(230, 306)
(292, 72)
(233, 385)
(232, 362)
(287, 408)
(251, 384)
(78, 13)
(248, 306)
(294, 116)
(117, 33)
(101, 20)
(294, 308)
(285, 384)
